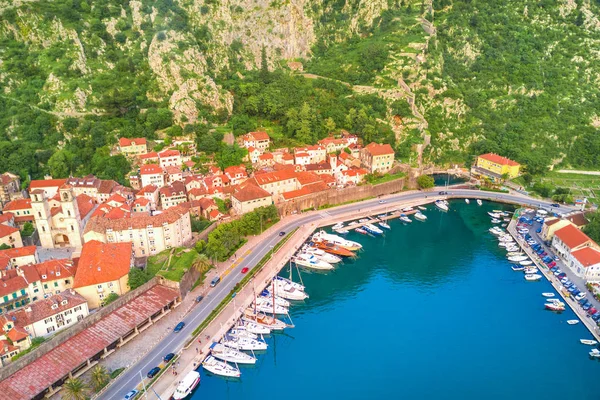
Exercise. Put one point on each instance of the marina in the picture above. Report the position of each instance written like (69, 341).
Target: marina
(332, 300)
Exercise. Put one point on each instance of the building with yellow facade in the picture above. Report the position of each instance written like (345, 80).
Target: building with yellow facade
(495, 166)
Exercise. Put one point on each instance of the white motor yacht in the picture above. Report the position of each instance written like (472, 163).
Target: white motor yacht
(530, 270)
(595, 353)
(335, 239)
(422, 208)
(526, 262)
(226, 353)
(494, 215)
(441, 205)
(310, 261)
(384, 225)
(420, 216)
(548, 294)
(573, 321)
(243, 343)
(280, 301)
(405, 219)
(495, 221)
(288, 291)
(467, 201)
(532, 277)
(588, 342)
(217, 367)
(322, 255)
(187, 385)
(517, 258)
(337, 226)
(479, 202)
(407, 209)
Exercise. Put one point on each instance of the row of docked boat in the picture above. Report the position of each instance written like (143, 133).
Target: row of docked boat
(324, 250)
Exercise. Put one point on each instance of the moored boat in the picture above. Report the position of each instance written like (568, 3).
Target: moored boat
(555, 306)
(467, 201)
(517, 268)
(595, 353)
(337, 240)
(588, 342)
(272, 323)
(333, 249)
(517, 258)
(337, 226)
(420, 216)
(441, 205)
(286, 289)
(384, 225)
(310, 261)
(526, 262)
(227, 353)
(548, 294)
(573, 321)
(322, 255)
(479, 202)
(405, 219)
(266, 305)
(241, 331)
(187, 385)
(361, 231)
(218, 367)
(372, 229)
(243, 343)
(252, 329)
(422, 208)
(532, 277)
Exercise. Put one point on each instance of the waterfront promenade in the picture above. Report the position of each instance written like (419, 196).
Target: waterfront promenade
(261, 246)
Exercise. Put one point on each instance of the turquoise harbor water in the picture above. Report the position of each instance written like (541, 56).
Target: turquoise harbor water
(430, 311)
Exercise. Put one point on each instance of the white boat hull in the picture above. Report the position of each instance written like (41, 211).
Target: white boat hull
(241, 343)
(588, 342)
(217, 367)
(533, 277)
(187, 385)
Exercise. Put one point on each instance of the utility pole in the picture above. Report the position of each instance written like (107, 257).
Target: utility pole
(144, 385)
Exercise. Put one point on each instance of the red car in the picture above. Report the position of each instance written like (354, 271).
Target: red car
(244, 270)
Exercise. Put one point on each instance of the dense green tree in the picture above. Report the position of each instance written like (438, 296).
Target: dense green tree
(425, 181)
(61, 164)
(593, 228)
(137, 278)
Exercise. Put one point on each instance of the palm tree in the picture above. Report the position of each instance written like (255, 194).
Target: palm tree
(202, 263)
(75, 389)
(100, 376)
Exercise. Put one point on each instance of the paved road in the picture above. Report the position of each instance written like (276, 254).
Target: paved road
(575, 171)
(173, 343)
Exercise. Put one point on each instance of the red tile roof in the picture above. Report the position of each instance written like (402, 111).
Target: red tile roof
(150, 169)
(578, 219)
(275, 176)
(495, 158)
(44, 371)
(17, 334)
(102, 262)
(18, 204)
(168, 153)
(125, 142)
(19, 252)
(7, 217)
(587, 256)
(142, 201)
(259, 135)
(213, 214)
(6, 230)
(173, 169)
(377, 149)
(147, 189)
(250, 192)
(116, 213)
(551, 221)
(11, 282)
(51, 270)
(117, 198)
(85, 204)
(571, 236)
(45, 183)
(149, 156)
(137, 221)
(306, 190)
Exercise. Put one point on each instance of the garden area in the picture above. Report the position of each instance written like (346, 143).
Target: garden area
(172, 264)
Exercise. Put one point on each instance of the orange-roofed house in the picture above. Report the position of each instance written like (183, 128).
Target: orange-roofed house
(49, 186)
(173, 173)
(152, 174)
(249, 197)
(277, 182)
(141, 205)
(496, 166)
(56, 276)
(103, 268)
(116, 200)
(20, 256)
(351, 177)
(236, 174)
(585, 263)
(253, 154)
(133, 146)
(569, 239)
(377, 158)
(149, 158)
(169, 158)
(10, 187)
(21, 209)
(551, 225)
(258, 140)
(10, 236)
(172, 195)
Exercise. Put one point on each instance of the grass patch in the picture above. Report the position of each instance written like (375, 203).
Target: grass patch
(116, 373)
(180, 262)
(580, 185)
(325, 206)
(375, 180)
(35, 343)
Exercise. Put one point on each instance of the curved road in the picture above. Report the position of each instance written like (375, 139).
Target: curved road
(130, 378)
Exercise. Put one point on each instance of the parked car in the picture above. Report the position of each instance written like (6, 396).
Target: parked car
(587, 306)
(179, 326)
(580, 296)
(152, 373)
(244, 270)
(214, 282)
(562, 275)
(168, 357)
(130, 395)
(555, 205)
(199, 299)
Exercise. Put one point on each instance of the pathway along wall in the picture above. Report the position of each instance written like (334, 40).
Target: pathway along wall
(339, 196)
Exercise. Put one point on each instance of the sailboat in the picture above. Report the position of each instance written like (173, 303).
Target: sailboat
(384, 224)
(261, 319)
(243, 343)
(241, 331)
(266, 305)
(252, 328)
(217, 367)
(227, 353)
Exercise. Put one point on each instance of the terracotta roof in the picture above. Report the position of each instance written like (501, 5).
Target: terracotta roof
(275, 176)
(328, 140)
(578, 219)
(266, 156)
(324, 166)
(7, 348)
(42, 309)
(6, 230)
(11, 282)
(45, 183)
(571, 236)
(250, 192)
(306, 178)
(327, 178)
(168, 153)
(18, 204)
(306, 190)
(7, 217)
(495, 158)
(377, 149)
(7, 178)
(150, 155)
(19, 252)
(301, 154)
(175, 189)
(137, 221)
(251, 149)
(150, 169)
(85, 204)
(213, 214)
(147, 189)
(236, 170)
(102, 262)
(116, 213)
(354, 172)
(551, 221)
(259, 135)
(287, 156)
(88, 181)
(197, 192)
(125, 142)
(17, 334)
(46, 370)
(107, 186)
(205, 203)
(51, 270)
(142, 201)
(117, 198)
(587, 256)
(173, 169)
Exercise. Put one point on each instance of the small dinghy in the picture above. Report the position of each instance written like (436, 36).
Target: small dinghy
(526, 262)
(422, 208)
(532, 277)
(595, 353)
(479, 202)
(361, 231)
(588, 342)
(467, 201)
(517, 267)
(548, 294)
(384, 225)
(573, 321)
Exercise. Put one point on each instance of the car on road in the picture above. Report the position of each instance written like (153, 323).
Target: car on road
(555, 205)
(152, 373)
(168, 357)
(244, 270)
(130, 395)
(199, 299)
(442, 193)
(179, 326)
(282, 233)
(381, 201)
(214, 282)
